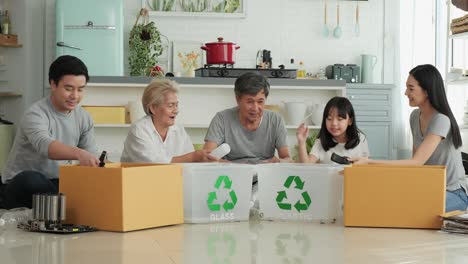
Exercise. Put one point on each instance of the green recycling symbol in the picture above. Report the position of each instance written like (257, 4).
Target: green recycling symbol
(283, 196)
(212, 196)
(226, 240)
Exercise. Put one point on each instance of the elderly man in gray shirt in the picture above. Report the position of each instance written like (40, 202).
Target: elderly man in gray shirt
(54, 130)
(252, 132)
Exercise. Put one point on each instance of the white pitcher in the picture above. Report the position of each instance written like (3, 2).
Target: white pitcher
(316, 111)
(295, 112)
(367, 66)
(136, 111)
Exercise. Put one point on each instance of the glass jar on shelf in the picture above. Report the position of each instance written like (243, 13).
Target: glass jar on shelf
(6, 25)
(321, 75)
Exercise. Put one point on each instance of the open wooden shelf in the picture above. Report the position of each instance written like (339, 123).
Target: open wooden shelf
(187, 126)
(112, 125)
(459, 35)
(11, 45)
(9, 94)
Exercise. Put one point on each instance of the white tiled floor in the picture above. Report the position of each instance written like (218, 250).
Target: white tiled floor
(240, 242)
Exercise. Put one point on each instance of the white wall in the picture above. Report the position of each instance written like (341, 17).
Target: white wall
(289, 28)
(24, 65)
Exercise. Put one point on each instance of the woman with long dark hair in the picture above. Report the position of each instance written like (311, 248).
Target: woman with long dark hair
(436, 136)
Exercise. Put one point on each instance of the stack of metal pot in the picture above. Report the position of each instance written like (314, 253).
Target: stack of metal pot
(50, 208)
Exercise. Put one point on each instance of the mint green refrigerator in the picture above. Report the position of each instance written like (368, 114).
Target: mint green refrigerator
(92, 31)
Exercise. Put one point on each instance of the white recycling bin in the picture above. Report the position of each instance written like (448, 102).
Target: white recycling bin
(306, 192)
(217, 192)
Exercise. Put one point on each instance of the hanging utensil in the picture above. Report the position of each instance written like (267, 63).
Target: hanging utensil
(65, 45)
(356, 27)
(337, 32)
(325, 31)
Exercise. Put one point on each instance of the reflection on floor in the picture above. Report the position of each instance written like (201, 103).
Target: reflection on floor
(239, 242)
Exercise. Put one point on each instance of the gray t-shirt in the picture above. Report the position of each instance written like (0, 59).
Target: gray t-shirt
(42, 124)
(248, 146)
(445, 153)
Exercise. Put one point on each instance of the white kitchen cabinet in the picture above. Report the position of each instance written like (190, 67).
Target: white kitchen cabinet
(457, 50)
(379, 138)
(456, 80)
(200, 99)
(372, 105)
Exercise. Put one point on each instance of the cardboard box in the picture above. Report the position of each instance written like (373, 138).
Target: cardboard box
(394, 196)
(217, 192)
(303, 192)
(107, 114)
(123, 197)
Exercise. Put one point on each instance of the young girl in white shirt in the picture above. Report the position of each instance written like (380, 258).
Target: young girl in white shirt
(338, 134)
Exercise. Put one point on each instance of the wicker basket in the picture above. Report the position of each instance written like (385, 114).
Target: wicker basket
(8, 40)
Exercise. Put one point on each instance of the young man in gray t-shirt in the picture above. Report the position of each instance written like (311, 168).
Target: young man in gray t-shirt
(252, 132)
(52, 130)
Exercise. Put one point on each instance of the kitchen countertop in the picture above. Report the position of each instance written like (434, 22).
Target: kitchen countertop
(230, 81)
(369, 85)
(214, 80)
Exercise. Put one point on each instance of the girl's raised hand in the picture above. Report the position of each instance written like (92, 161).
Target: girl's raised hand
(302, 133)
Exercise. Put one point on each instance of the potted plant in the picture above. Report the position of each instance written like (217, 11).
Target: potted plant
(145, 46)
(309, 143)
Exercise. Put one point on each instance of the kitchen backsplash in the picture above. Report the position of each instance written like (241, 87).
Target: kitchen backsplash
(289, 28)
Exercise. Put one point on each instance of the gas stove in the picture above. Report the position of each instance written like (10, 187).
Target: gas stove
(227, 71)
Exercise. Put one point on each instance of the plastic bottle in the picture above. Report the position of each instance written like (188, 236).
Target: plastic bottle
(11, 219)
(301, 72)
(221, 151)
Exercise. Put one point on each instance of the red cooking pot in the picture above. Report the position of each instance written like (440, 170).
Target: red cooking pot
(220, 52)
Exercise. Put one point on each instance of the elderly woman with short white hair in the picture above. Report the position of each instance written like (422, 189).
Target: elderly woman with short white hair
(156, 138)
